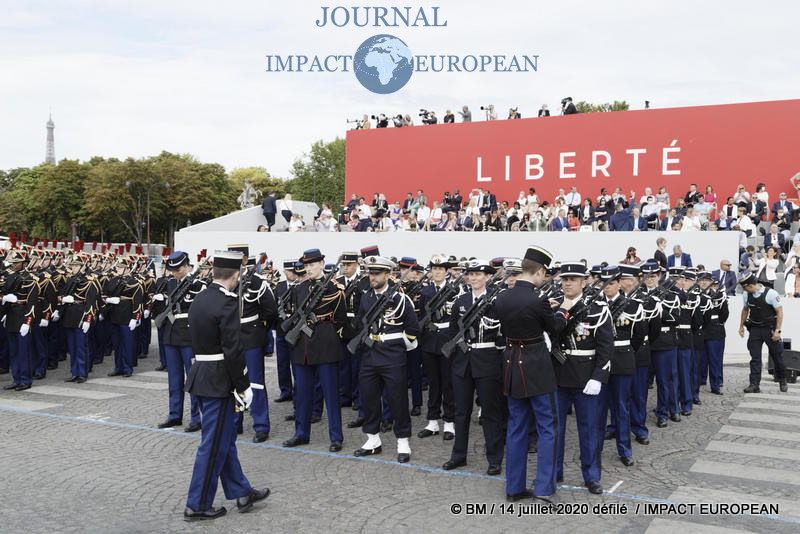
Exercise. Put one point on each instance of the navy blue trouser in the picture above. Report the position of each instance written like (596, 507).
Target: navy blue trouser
(519, 419)
(179, 361)
(415, 376)
(615, 397)
(4, 359)
(123, 348)
(162, 354)
(665, 364)
(216, 456)
(78, 344)
(714, 351)
(346, 385)
(700, 373)
(638, 403)
(304, 376)
(685, 378)
(386, 385)
(38, 349)
(19, 354)
(259, 408)
(56, 340)
(283, 358)
(586, 407)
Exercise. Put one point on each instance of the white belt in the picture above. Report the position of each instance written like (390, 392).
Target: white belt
(209, 357)
(665, 329)
(351, 314)
(248, 319)
(484, 345)
(715, 316)
(580, 352)
(684, 327)
(388, 337)
(623, 343)
(441, 326)
(181, 315)
(256, 386)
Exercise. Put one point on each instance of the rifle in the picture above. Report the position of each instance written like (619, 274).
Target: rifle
(369, 323)
(297, 323)
(175, 297)
(283, 301)
(244, 281)
(590, 295)
(416, 288)
(621, 303)
(467, 322)
(426, 323)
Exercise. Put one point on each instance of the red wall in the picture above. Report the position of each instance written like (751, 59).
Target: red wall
(719, 145)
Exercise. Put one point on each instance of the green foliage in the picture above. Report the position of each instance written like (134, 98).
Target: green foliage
(319, 175)
(588, 107)
(261, 181)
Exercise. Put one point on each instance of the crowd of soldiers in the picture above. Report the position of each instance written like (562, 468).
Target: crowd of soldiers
(528, 340)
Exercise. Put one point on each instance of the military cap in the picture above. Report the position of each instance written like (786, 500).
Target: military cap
(480, 266)
(312, 255)
(228, 259)
(244, 249)
(676, 271)
(628, 271)
(371, 250)
(288, 264)
(379, 264)
(497, 262)
(611, 272)
(651, 268)
(407, 262)
(748, 278)
(573, 268)
(349, 257)
(176, 260)
(439, 260)
(539, 255)
(512, 265)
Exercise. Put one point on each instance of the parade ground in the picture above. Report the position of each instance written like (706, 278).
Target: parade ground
(89, 458)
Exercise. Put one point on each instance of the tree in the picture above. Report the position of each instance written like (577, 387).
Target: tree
(18, 211)
(319, 176)
(261, 181)
(588, 107)
(58, 196)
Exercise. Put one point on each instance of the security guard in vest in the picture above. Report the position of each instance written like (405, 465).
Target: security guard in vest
(664, 351)
(258, 312)
(480, 370)
(383, 365)
(20, 296)
(80, 304)
(178, 342)
(319, 354)
(588, 347)
(529, 378)
(762, 315)
(218, 379)
(714, 337)
(283, 351)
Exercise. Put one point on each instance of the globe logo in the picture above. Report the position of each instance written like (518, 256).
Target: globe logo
(383, 64)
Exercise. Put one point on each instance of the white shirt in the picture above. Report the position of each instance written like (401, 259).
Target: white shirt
(573, 199)
(649, 209)
(533, 199)
(436, 215)
(745, 224)
(691, 224)
(523, 200)
(423, 213)
(364, 212)
(679, 260)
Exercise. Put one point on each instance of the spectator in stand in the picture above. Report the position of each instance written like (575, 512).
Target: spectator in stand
(491, 114)
(375, 201)
(352, 203)
(703, 210)
(793, 256)
(650, 212)
(617, 197)
(525, 222)
(522, 199)
(710, 196)
(668, 222)
(693, 196)
(776, 239)
(767, 267)
(285, 205)
(514, 214)
(423, 214)
(407, 120)
(648, 192)
(364, 211)
(560, 197)
(784, 222)
(604, 196)
(792, 286)
(451, 224)
(761, 191)
(574, 221)
(748, 262)
(472, 207)
(726, 279)
(493, 222)
(744, 223)
(680, 207)
(464, 221)
(435, 217)
(489, 202)
(537, 222)
(449, 118)
(620, 221)
(756, 209)
(384, 223)
(638, 223)
(602, 214)
(456, 200)
(418, 200)
(560, 223)
(324, 222)
(466, 114)
(395, 212)
(573, 199)
(269, 209)
(532, 198)
(587, 214)
(383, 204)
(741, 197)
(691, 222)
(296, 223)
(663, 198)
(679, 258)
(729, 210)
(543, 111)
(568, 108)
(407, 203)
(782, 202)
(631, 258)
(660, 254)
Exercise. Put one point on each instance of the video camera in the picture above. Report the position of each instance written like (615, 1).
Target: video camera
(424, 113)
(358, 122)
(381, 121)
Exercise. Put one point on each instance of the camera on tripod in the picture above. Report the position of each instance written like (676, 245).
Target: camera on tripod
(359, 124)
(381, 121)
(424, 113)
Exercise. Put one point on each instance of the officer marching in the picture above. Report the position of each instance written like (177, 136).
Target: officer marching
(664, 350)
(20, 296)
(283, 351)
(80, 305)
(714, 338)
(123, 301)
(218, 378)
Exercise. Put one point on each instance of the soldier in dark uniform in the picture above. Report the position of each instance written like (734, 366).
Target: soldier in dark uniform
(349, 393)
(437, 367)
(664, 354)
(48, 299)
(218, 378)
(699, 358)
(20, 297)
(158, 304)
(55, 334)
(714, 337)
(4, 358)
(79, 309)
(178, 342)
(528, 376)
(480, 370)
(625, 313)
(588, 346)
(762, 315)
(283, 350)
(383, 365)
(318, 354)
(413, 284)
(688, 322)
(258, 312)
(144, 330)
(124, 303)
(103, 339)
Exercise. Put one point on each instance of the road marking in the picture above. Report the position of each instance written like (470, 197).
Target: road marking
(766, 418)
(127, 383)
(759, 433)
(96, 416)
(615, 486)
(774, 386)
(670, 526)
(370, 459)
(773, 397)
(78, 392)
(748, 472)
(153, 374)
(773, 407)
(787, 508)
(14, 404)
(781, 453)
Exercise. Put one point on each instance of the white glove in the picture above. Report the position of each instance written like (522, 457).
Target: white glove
(56, 316)
(43, 323)
(112, 300)
(159, 297)
(24, 329)
(592, 387)
(146, 314)
(85, 327)
(69, 299)
(243, 399)
(100, 317)
(11, 297)
(248, 397)
(3, 320)
(132, 325)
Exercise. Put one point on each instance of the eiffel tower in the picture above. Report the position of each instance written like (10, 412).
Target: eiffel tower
(50, 157)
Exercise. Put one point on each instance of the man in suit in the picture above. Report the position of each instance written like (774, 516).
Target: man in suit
(561, 223)
(464, 222)
(489, 201)
(725, 277)
(620, 221)
(659, 255)
(693, 196)
(668, 221)
(407, 203)
(756, 209)
(638, 223)
(269, 209)
(783, 203)
(679, 258)
(775, 239)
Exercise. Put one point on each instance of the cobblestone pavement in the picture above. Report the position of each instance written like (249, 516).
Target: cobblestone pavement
(88, 458)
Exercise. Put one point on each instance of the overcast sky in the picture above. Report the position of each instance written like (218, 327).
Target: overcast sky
(134, 78)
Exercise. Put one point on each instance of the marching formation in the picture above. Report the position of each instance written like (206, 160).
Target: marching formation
(528, 340)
